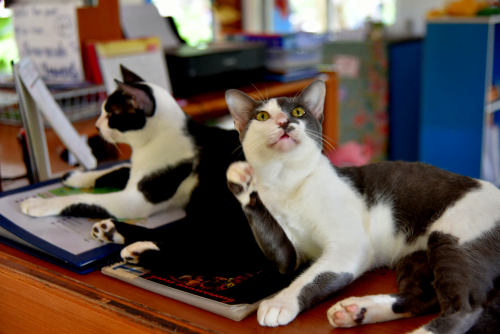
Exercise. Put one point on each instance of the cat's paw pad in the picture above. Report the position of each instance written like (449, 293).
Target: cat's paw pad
(354, 311)
(277, 311)
(132, 252)
(239, 178)
(105, 231)
(347, 315)
(40, 207)
(78, 179)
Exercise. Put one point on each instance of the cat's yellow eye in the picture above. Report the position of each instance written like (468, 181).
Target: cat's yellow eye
(298, 112)
(262, 116)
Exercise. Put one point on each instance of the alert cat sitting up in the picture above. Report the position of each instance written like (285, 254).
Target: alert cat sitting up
(439, 230)
(175, 162)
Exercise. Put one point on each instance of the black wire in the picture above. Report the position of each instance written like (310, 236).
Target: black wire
(14, 178)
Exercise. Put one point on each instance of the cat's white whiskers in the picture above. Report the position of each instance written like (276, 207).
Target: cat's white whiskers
(321, 137)
(261, 96)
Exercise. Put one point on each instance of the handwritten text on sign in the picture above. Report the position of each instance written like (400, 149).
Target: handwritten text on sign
(48, 34)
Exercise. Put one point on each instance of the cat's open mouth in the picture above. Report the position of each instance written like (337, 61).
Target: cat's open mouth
(285, 142)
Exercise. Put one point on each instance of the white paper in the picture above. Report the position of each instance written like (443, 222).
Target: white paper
(54, 114)
(145, 21)
(49, 34)
(69, 233)
(149, 65)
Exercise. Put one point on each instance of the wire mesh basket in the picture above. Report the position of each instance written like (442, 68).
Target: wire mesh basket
(77, 104)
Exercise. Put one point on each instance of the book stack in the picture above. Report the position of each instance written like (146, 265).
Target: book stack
(289, 57)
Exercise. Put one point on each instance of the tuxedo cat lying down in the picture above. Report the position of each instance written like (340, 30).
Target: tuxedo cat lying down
(439, 230)
(175, 162)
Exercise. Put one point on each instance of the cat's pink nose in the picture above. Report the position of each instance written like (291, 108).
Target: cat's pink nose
(281, 120)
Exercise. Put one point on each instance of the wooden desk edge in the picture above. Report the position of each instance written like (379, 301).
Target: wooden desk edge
(15, 269)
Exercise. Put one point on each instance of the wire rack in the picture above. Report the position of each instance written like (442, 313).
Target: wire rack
(77, 104)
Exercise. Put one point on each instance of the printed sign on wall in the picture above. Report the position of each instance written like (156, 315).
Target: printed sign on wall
(48, 34)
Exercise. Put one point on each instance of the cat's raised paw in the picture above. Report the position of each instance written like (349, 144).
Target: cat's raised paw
(105, 231)
(41, 207)
(239, 178)
(132, 252)
(277, 311)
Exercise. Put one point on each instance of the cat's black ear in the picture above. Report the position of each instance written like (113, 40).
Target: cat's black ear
(313, 98)
(240, 106)
(129, 76)
(141, 99)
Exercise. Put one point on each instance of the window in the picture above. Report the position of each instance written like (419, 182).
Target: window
(193, 18)
(8, 48)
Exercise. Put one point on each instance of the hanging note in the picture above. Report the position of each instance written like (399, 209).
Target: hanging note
(48, 34)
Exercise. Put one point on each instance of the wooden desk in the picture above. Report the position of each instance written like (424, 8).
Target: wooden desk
(36, 296)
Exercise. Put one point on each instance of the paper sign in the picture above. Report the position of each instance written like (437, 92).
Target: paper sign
(48, 34)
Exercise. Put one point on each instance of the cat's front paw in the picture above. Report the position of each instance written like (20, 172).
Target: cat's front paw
(105, 231)
(277, 311)
(78, 179)
(133, 252)
(240, 181)
(41, 207)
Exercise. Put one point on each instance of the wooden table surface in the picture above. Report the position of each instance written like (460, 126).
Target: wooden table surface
(36, 296)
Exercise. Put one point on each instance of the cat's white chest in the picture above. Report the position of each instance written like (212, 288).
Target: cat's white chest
(289, 211)
(300, 209)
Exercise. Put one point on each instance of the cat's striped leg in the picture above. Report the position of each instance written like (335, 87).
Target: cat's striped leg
(114, 177)
(462, 280)
(269, 235)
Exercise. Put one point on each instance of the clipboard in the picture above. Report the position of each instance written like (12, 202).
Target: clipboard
(33, 96)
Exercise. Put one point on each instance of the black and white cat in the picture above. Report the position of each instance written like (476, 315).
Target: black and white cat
(441, 231)
(175, 162)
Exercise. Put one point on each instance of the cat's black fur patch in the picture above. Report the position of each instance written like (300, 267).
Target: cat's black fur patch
(85, 210)
(235, 188)
(215, 236)
(415, 291)
(321, 287)
(457, 279)
(312, 124)
(360, 316)
(122, 113)
(162, 185)
(271, 237)
(419, 193)
(117, 178)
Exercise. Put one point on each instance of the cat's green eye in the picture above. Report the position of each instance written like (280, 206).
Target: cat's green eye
(262, 116)
(298, 112)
